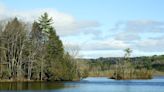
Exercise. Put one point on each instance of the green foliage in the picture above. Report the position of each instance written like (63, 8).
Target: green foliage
(38, 55)
(54, 47)
(122, 67)
(45, 24)
(128, 52)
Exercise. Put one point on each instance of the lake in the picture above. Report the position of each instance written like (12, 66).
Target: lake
(90, 84)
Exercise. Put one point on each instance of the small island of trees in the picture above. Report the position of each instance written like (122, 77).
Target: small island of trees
(34, 54)
(127, 70)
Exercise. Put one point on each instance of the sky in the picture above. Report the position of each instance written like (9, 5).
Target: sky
(98, 28)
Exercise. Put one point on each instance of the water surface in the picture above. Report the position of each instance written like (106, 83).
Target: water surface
(90, 84)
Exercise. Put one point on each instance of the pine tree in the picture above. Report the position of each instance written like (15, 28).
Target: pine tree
(55, 46)
(53, 49)
(45, 24)
(54, 57)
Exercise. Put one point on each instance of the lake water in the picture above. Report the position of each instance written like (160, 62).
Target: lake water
(91, 84)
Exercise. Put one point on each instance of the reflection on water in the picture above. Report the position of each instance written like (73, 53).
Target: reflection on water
(91, 84)
(31, 86)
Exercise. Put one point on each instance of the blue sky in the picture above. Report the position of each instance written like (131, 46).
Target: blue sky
(100, 28)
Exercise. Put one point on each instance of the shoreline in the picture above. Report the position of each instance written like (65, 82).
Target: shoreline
(31, 81)
(3, 81)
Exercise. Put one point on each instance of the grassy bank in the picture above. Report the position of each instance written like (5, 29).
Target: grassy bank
(158, 73)
(134, 74)
(106, 73)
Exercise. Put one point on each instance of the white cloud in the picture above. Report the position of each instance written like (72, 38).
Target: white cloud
(145, 37)
(139, 26)
(144, 26)
(150, 45)
(145, 23)
(102, 53)
(106, 44)
(2, 8)
(127, 36)
(65, 24)
(142, 35)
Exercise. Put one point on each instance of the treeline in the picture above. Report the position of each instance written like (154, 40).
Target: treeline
(127, 67)
(35, 53)
(155, 62)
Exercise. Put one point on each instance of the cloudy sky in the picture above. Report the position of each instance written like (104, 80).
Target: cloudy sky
(100, 28)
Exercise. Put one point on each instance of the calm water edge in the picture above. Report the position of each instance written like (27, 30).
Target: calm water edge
(90, 84)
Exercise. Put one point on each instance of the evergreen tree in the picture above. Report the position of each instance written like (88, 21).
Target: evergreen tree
(55, 47)
(45, 24)
(54, 56)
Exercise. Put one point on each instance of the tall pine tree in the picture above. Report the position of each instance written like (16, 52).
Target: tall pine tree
(54, 56)
(54, 50)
